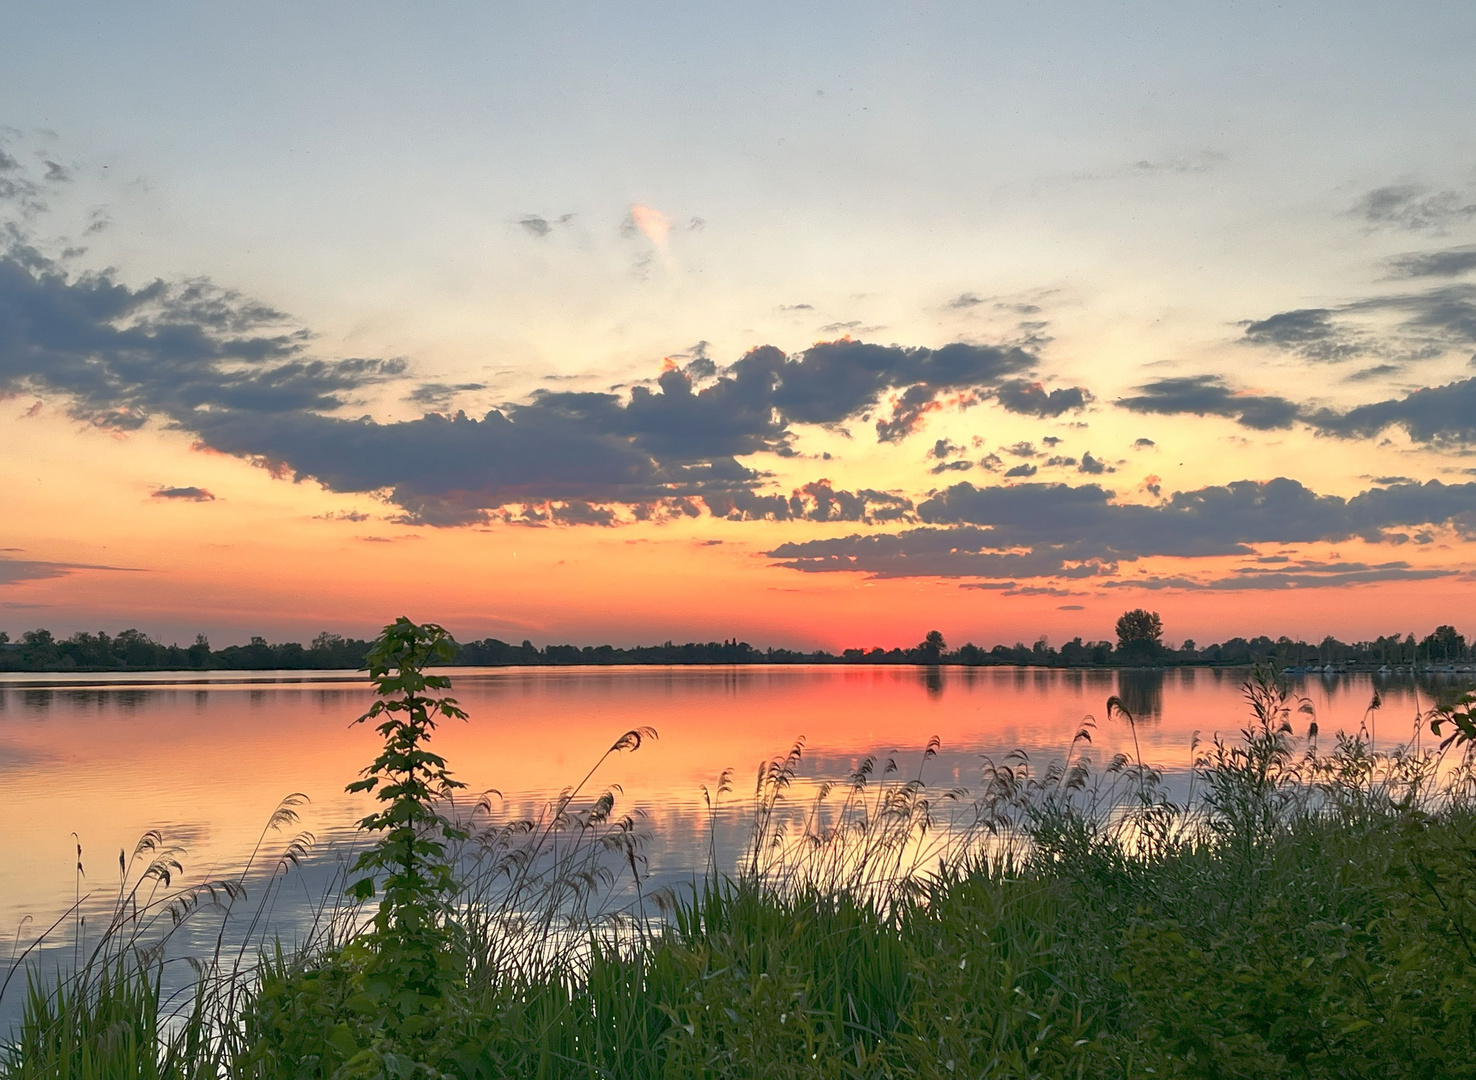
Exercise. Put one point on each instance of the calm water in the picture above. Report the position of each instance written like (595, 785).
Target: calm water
(206, 760)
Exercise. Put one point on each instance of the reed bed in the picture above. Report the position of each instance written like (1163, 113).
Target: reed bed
(1306, 907)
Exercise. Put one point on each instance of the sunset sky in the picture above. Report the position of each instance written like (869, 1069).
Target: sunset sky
(812, 325)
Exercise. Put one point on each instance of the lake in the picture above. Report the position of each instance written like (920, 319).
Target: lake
(204, 758)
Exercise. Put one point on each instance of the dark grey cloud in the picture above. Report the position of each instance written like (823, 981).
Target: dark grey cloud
(816, 501)
(964, 301)
(1208, 395)
(187, 494)
(122, 354)
(964, 552)
(1310, 576)
(1014, 588)
(18, 188)
(540, 226)
(838, 380)
(1024, 469)
(1031, 399)
(435, 395)
(1377, 371)
(1431, 323)
(343, 515)
(1093, 466)
(450, 470)
(1143, 444)
(579, 512)
(239, 374)
(1400, 328)
(13, 571)
(841, 327)
(1437, 415)
(1056, 530)
(1415, 208)
(1442, 317)
(1451, 262)
(1310, 332)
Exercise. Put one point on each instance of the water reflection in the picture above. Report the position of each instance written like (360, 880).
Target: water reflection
(1141, 693)
(208, 758)
(932, 678)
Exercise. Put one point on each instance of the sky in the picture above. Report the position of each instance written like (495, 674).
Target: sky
(812, 325)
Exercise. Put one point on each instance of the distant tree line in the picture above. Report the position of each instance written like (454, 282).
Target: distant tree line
(1139, 643)
(133, 650)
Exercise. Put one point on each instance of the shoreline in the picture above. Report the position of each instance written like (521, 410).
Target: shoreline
(144, 677)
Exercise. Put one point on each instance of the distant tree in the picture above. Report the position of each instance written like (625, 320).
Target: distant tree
(135, 648)
(199, 652)
(1139, 635)
(38, 650)
(932, 647)
(1444, 645)
(1235, 651)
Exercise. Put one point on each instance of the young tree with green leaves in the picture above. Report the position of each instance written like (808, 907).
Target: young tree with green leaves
(416, 952)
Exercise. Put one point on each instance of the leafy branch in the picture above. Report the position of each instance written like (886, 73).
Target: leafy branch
(414, 938)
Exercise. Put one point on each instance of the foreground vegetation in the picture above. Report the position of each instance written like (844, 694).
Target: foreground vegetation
(1303, 910)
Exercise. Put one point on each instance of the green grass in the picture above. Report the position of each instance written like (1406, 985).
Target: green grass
(1305, 911)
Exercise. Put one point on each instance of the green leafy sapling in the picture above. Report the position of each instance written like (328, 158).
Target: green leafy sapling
(1461, 716)
(415, 945)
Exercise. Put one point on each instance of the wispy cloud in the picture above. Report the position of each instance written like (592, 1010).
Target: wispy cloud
(1415, 208)
(14, 571)
(539, 226)
(1451, 262)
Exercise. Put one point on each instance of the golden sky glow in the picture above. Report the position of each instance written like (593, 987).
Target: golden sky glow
(807, 330)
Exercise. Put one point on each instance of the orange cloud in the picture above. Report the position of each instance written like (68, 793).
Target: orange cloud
(653, 224)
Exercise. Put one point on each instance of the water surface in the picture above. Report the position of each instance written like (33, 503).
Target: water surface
(204, 758)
